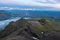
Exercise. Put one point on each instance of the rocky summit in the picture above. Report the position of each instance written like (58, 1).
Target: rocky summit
(24, 29)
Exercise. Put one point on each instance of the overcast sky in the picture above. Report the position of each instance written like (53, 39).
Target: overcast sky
(48, 3)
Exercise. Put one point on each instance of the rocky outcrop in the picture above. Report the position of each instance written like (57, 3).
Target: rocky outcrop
(24, 30)
(16, 30)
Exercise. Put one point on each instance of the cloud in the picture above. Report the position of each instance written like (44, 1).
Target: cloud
(18, 8)
(48, 3)
(11, 8)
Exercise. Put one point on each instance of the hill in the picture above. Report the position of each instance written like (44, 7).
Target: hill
(30, 30)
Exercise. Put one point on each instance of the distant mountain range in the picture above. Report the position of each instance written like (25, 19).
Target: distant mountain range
(6, 14)
(35, 13)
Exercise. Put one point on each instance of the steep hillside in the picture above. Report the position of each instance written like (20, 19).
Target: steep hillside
(22, 29)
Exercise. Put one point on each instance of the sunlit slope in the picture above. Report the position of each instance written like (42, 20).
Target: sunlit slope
(38, 26)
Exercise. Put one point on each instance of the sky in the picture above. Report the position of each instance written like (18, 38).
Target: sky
(34, 3)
